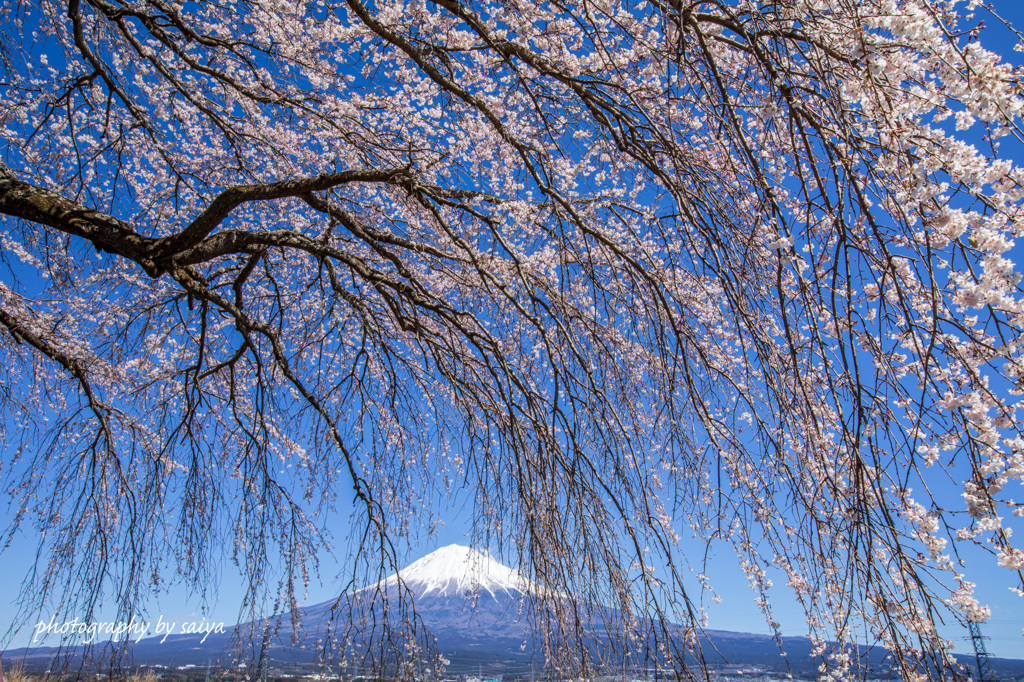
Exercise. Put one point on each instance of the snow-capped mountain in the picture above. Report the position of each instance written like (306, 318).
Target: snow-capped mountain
(477, 609)
(458, 571)
(463, 598)
(466, 600)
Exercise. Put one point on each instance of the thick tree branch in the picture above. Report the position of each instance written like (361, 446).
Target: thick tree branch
(191, 246)
(45, 207)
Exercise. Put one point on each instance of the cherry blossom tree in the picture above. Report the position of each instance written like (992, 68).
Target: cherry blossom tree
(619, 270)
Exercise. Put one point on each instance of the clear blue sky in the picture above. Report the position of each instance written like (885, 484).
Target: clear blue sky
(736, 612)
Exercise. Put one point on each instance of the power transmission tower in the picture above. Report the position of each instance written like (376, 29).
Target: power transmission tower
(980, 653)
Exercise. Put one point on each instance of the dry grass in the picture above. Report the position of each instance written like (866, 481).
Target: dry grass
(143, 676)
(16, 673)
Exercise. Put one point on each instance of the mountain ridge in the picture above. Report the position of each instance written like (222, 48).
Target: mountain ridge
(475, 607)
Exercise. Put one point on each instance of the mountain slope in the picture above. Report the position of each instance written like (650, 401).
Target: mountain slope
(462, 596)
(477, 609)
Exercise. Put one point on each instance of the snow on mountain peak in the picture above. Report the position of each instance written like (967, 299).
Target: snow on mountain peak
(456, 570)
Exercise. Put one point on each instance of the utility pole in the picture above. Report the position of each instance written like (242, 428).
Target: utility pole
(980, 653)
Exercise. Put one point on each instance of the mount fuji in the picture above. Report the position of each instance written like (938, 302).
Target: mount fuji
(464, 598)
(470, 607)
(457, 571)
(477, 612)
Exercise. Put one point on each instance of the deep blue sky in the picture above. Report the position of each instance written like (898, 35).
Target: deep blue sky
(737, 610)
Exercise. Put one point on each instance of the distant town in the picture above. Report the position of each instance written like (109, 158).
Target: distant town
(274, 673)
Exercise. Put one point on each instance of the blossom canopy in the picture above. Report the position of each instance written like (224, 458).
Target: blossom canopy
(619, 271)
